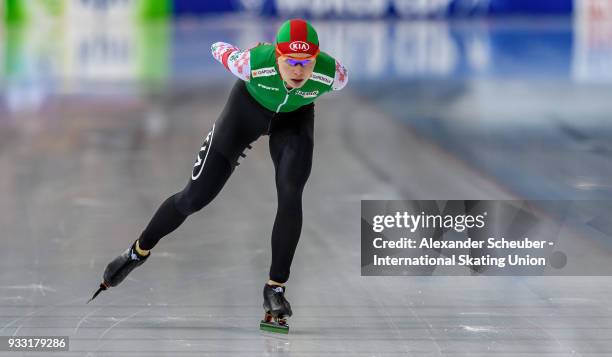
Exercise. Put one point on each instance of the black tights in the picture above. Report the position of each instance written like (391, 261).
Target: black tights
(242, 122)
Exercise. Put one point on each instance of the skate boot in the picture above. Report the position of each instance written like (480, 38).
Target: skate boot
(120, 267)
(276, 308)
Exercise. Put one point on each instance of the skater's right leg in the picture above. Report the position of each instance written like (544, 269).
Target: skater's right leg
(171, 214)
(241, 123)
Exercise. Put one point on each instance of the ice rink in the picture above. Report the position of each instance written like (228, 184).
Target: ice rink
(92, 141)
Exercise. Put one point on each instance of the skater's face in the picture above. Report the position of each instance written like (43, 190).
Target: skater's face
(296, 70)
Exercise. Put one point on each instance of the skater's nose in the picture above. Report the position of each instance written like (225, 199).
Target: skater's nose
(298, 70)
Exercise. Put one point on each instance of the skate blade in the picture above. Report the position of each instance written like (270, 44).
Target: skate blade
(273, 327)
(102, 287)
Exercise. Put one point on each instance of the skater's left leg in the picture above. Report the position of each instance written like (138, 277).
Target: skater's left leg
(291, 146)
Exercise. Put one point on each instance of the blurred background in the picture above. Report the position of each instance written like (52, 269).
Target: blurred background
(527, 82)
(103, 107)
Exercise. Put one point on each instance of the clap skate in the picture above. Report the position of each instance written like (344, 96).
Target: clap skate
(119, 268)
(277, 310)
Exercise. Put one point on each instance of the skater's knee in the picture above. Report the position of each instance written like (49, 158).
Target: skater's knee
(291, 180)
(201, 191)
(188, 203)
(290, 188)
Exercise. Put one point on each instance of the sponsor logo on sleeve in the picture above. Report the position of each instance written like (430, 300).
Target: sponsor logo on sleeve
(263, 72)
(319, 77)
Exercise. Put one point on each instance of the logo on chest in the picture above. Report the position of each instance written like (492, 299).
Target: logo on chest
(267, 87)
(312, 94)
(263, 72)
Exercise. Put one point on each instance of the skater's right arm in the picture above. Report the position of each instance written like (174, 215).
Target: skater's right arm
(234, 59)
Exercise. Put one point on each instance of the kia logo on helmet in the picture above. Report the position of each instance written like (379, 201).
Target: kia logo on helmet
(299, 46)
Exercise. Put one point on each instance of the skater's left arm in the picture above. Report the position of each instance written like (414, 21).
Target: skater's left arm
(341, 77)
(235, 60)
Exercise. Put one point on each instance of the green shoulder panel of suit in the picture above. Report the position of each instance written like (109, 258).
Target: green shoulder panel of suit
(268, 89)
